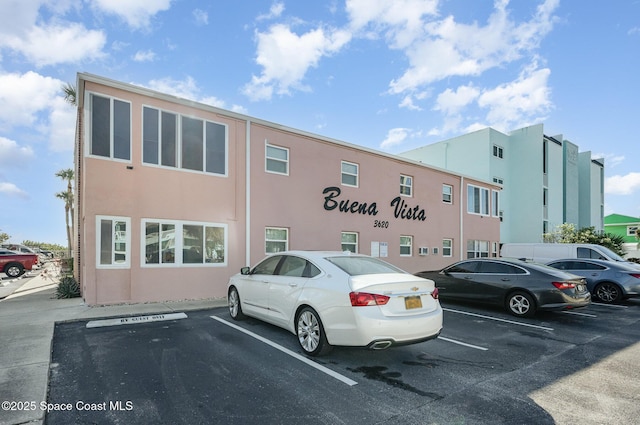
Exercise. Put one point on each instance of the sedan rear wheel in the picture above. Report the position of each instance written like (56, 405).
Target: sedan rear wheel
(521, 304)
(235, 309)
(608, 292)
(311, 333)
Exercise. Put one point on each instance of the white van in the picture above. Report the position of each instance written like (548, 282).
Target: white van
(545, 252)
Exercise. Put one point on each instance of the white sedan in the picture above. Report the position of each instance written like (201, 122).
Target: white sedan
(337, 298)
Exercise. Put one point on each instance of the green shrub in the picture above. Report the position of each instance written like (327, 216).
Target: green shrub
(68, 288)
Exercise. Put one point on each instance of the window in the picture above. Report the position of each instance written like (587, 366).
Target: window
(491, 267)
(276, 160)
(498, 180)
(349, 174)
(447, 247)
(494, 249)
(406, 185)
(498, 151)
(276, 239)
(632, 230)
(297, 267)
(477, 249)
(350, 242)
(194, 144)
(177, 243)
(590, 253)
(447, 194)
(110, 128)
(113, 242)
(477, 200)
(495, 203)
(405, 245)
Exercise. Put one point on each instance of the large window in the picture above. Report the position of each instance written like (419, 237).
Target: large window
(495, 203)
(349, 174)
(176, 243)
(406, 242)
(498, 151)
(477, 249)
(349, 242)
(277, 160)
(477, 200)
(276, 239)
(113, 242)
(110, 128)
(406, 185)
(188, 143)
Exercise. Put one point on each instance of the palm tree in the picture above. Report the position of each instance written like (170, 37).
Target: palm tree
(69, 93)
(67, 197)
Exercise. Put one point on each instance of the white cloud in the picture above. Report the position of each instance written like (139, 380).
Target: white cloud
(451, 102)
(622, 185)
(188, 89)
(62, 126)
(518, 103)
(24, 96)
(12, 190)
(286, 57)
(201, 17)
(144, 56)
(611, 160)
(12, 154)
(137, 14)
(275, 11)
(395, 137)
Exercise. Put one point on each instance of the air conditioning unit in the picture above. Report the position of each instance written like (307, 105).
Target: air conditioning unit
(423, 250)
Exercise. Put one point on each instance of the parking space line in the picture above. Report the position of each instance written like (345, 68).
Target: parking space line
(462, 343)
(609, 305)
(578, 314)
(499, 320)
(297, 356)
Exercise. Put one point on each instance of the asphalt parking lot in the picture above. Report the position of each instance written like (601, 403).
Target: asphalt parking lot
(487, 367)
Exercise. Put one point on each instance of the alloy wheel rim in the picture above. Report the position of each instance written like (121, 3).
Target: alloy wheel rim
(607, 293)
(520, 304)
(233, 303)
(308, 331)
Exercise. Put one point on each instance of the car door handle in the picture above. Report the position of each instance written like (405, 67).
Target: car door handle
(594, 274)
(468, 277)
(293, 285)
(505, 279)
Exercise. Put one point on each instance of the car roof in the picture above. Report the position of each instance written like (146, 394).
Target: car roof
(319, 254)
(607, 263)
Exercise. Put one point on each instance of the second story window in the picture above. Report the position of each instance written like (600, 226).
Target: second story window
(277, 160)
(447, 194)
(349, 174)
(498, 151)
(406, 185)
(110, 128)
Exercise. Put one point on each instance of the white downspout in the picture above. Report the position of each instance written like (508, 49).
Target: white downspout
(247, 230)
(462, 244)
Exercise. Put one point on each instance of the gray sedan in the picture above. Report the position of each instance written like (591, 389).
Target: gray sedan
(608, 281)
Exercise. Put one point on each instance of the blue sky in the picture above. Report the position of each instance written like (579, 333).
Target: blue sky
(389, 75)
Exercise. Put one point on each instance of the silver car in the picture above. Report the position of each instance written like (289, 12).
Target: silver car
(608, 281)
(337, 298)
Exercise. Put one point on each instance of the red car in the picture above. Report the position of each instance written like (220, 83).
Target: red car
(13, 264)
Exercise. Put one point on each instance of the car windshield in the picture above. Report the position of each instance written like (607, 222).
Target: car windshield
(355, 266)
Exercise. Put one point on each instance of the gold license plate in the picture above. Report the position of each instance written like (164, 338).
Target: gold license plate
(412, 302)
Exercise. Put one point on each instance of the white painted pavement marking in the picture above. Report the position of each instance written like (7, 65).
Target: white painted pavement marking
(463, 343)
(135, 320)
(297, 356)
(609, 305)
(575, 313)
(499, 320)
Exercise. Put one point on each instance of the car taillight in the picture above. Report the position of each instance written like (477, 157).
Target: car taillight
(636, 275)
(435, 294)
(564, 285)
(362, 299)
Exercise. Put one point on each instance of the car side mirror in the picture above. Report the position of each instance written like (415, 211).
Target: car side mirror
(245, 270)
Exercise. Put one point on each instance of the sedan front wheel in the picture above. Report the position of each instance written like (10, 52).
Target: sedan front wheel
(235, 309)
(310, 333)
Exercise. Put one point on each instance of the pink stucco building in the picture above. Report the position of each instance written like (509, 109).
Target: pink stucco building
(174, 197)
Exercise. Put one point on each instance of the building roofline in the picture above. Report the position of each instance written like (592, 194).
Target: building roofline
(84, 76)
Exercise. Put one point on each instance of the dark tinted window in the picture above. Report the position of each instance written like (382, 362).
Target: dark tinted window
(589, 253)
(268, 266)
(297, 267)
(465, 267)
(499, 268)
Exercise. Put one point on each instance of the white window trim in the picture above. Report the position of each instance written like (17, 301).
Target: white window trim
(357, 242)
(267, 158)
(450, 248)
(286, 241)
(450, 202)
(179, 243)
(482, 201)
(357, 175)
(89, 123)
(410, 245)
(127, 263)
(500, 151)
(410, 186)
(495, 203)
(631, 230)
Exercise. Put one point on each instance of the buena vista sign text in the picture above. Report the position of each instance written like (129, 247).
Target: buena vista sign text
(400, 207)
